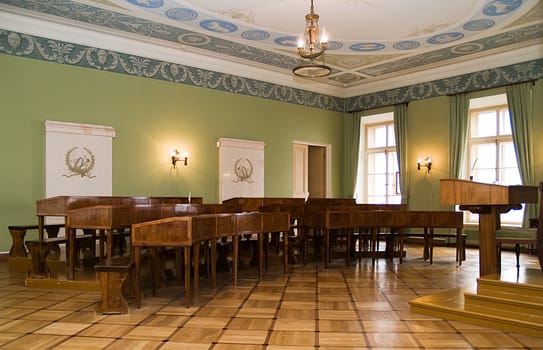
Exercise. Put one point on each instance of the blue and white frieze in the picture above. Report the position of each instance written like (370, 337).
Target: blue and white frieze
(290, 41)
(367, 47)
(501, 7)
(406, 45)
(445, 38)
(238, 26)
(147, 3)
(218, 26)
(28, 46)
(479, 24)
(255, 35)
(181, 14)
(482, 80)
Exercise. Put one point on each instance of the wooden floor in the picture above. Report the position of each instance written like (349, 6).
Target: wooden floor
(356, 307)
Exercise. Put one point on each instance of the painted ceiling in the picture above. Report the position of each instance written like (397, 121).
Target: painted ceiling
(374, 44)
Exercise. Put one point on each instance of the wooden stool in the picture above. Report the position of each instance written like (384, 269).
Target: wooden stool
(112, 275)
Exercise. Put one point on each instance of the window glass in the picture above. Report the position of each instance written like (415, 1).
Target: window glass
(505, 122)
(377, 136)
(508, 164)
(391, 141)
(492, 157)
(483, 124)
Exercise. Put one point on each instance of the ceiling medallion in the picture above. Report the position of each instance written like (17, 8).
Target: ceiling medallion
(312, 46)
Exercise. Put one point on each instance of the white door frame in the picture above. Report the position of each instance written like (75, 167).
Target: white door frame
(328, 164)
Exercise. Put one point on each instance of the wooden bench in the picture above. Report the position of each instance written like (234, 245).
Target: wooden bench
(39, 251)
(112, 274)
(48, 248)
(18, 233)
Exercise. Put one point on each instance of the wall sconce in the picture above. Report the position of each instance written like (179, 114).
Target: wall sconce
(178, 156)
(425, 163)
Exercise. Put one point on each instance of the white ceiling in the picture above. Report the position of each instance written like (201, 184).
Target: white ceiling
(374, 44)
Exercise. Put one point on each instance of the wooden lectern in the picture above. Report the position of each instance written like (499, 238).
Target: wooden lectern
(489, 201)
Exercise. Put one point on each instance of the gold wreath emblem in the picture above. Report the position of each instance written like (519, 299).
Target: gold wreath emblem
(79, 161)
(243, 168)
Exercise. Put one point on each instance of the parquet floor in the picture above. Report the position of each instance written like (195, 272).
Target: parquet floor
(356, 307)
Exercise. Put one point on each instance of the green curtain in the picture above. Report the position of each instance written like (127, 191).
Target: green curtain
(519, 99)
(351, 144)
(400, 134)
(458, 131)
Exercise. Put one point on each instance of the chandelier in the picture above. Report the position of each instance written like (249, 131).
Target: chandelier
(312, 46)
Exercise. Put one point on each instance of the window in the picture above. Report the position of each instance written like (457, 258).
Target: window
(378, 180)
(491, 152)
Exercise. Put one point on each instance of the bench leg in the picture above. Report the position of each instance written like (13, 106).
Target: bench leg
(460, 247)
(196, 268)
(38, 253)
(431, 246)
(260, 254)
(112, 301)
(498, 257)
(213, 263)
(517, 254)
(426, 248)
(137, 266)
(374, 245)
(286, 253)
(186, 259)
(39, 268)
(401, 243)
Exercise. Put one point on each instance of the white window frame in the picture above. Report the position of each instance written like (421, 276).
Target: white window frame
(361, 194)
(497, 103)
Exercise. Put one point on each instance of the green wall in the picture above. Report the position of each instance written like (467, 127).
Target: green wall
(151, 118)
(427, 134)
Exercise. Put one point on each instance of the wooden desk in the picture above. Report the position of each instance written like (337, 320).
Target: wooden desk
(377, 219)
(107, 218)
(59, 205)
(104, 218)
(489, 201)
(189, 231)
(99, 217)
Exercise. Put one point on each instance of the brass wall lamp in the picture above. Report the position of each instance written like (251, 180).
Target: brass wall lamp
(179, 156)
(425, 163)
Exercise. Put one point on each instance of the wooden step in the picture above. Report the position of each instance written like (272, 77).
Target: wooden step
(503, 307)
(524, 285)
(450, 305)
(511, 301)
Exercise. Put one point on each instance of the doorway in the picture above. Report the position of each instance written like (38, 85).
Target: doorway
(311, 170)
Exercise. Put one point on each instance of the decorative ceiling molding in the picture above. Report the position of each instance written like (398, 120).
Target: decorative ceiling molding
(50, 50)
(481, 80)
(403, 43)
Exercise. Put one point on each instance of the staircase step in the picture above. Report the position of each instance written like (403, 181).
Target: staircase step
(451, 305)
(525, 285)
(511, 301)
(509, 308)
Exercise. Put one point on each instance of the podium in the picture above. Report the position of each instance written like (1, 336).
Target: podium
(489, 201)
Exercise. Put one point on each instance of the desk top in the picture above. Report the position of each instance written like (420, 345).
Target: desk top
(455, 191)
